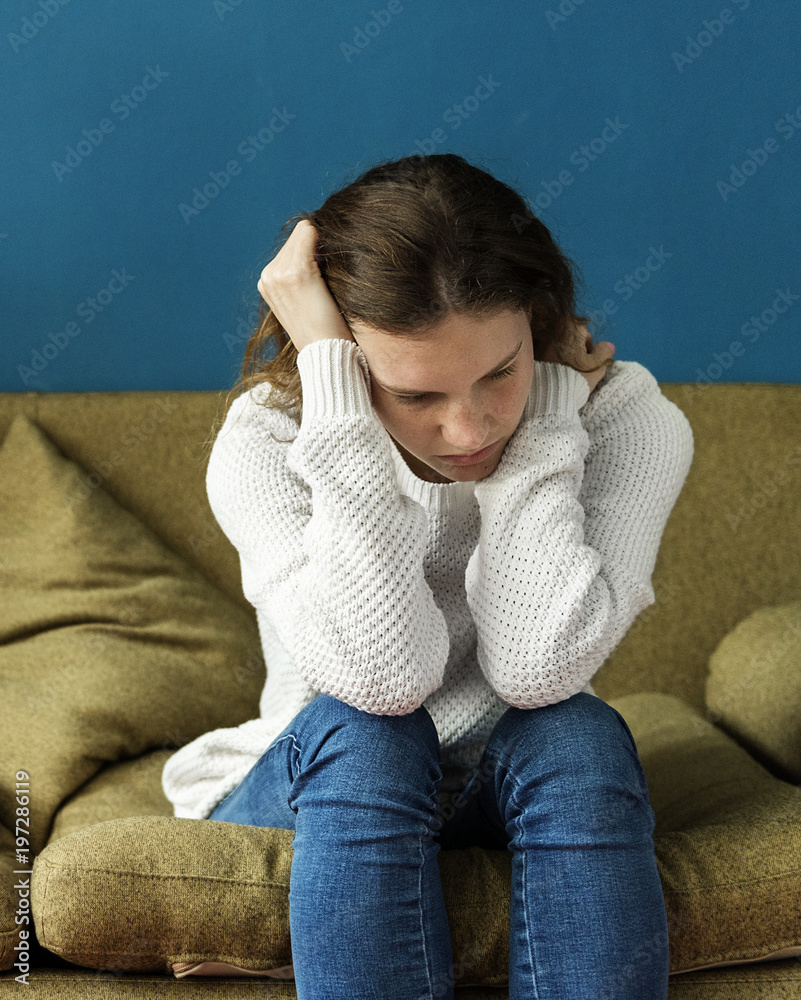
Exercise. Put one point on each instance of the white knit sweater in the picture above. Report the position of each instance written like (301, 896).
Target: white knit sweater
(388, 592)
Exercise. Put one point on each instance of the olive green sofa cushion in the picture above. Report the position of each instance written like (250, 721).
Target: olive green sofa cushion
(729, 549)
(110, 644)
(753, 690)
(727, 840)
(12, 917)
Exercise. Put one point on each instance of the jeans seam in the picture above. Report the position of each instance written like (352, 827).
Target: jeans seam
(292, 764)
(291, 736)
(641, 776)
(524, 889)
(421, 844)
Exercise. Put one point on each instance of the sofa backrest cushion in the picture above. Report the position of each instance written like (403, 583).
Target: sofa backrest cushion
(753, 690)
(110, 643)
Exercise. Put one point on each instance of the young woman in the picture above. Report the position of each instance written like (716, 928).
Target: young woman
(448, 504)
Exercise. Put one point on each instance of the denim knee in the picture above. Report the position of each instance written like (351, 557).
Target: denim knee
(403, 739)
(575, 761)
(584, 728)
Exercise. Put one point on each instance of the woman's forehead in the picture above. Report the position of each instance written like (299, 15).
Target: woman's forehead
(462, 347)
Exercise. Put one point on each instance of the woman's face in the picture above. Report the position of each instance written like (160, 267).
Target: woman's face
(464, 405)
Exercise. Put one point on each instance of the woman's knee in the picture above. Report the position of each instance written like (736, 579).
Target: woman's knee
(376, 764)
(578, 759)
(583, 729)
(414, 733)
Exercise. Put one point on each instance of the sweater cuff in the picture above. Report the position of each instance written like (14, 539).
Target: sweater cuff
(555, 389)
(335, 379)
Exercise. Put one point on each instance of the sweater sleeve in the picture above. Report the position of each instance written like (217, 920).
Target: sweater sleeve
(572, 519)
(331, 550)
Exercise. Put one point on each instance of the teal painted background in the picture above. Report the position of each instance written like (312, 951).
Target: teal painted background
(152, 151)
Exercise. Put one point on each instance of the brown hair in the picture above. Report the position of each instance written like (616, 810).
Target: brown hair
(412, 240)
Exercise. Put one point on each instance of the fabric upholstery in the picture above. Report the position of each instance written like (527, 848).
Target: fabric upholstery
(729, 549)
(727, 838)
(768, 981)
(110, 644)
(753, 691)
(9, 900)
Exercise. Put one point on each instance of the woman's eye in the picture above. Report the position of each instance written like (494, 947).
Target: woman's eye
(507, 371)
(419, 398)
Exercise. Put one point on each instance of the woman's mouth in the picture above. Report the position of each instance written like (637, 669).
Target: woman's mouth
(473, 459)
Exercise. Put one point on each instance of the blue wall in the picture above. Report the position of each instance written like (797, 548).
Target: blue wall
(661, 144)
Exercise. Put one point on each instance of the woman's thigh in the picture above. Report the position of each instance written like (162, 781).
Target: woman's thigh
(366, 906)
(371, 757)
(577, 739)
(262, 797)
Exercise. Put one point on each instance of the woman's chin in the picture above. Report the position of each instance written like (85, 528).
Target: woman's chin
(430, 475)
(468, 473)
(447, 473)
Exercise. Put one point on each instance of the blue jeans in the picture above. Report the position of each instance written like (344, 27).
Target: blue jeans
(561, 787)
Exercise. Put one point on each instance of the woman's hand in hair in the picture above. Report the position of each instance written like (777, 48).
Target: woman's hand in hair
(582, 353)
(296, 292)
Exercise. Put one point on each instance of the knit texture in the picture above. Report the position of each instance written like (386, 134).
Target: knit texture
(388, 592)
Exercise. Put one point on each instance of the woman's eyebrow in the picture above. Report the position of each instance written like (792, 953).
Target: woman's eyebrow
(422, 392)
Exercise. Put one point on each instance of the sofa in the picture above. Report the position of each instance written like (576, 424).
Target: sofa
(124, 634)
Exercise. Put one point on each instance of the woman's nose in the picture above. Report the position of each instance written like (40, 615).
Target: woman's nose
(466, 437)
